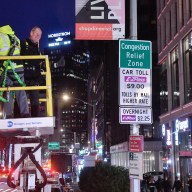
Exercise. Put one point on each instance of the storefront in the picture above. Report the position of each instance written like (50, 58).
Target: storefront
(152, 155)
(177, 149)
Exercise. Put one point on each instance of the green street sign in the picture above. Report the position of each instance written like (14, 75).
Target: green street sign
(53, 145)
(135, 54)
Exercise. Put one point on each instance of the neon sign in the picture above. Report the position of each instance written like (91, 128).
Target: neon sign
(62, 34)
(163, 130)
(59, 43)
(181, 125)
(176, 138)
(168, 141)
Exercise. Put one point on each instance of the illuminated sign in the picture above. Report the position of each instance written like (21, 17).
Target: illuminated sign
(163, 130)
(167, 134)
(181, 125)
(62, 34)
(176, 138)
(59, 43)
(100, 19)
(169, 138)
(58, 39)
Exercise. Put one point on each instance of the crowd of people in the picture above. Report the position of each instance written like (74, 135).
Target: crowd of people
(20, 73)
(163, 185)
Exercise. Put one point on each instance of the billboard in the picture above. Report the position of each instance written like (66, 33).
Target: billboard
(100, 19)
(61, 38)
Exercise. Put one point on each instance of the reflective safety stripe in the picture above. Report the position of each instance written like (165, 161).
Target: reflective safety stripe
(6, 45)
(16, 67)
(17, 48)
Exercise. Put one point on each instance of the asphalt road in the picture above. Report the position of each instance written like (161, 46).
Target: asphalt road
(5, 188)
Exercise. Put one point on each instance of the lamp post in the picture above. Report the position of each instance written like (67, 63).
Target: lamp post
(67, 97)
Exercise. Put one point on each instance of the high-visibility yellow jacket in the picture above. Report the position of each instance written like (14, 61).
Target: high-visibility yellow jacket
(5, 45)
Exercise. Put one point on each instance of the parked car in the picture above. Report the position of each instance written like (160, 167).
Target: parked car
(155, 174)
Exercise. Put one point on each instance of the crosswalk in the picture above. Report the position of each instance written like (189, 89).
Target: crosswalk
(4, 188)
(10, 190)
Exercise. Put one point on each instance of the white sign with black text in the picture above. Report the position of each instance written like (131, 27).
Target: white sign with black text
(131, 115)
(21, 123)
(135, 87)
(136, 165)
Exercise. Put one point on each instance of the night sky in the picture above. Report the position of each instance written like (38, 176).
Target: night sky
(51, 16)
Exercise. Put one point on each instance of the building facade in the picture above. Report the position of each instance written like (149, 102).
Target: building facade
(69, 70)
(174, 21)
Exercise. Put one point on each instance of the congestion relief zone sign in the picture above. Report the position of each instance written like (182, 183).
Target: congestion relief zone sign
(135, 64)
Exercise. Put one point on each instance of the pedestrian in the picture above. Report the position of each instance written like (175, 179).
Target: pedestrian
(166, 185)
(151, 184)
(177, 185)
(190, 184)
(30, 46)
(144, 186)
(158, 184)
(12, 72)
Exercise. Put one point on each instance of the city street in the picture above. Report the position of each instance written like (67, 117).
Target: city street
(5, 188)
(75, 186)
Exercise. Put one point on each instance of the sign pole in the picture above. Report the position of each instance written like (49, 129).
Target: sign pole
(134, 183)
(135, 94)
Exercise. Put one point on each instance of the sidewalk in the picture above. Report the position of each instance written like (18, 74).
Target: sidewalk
(75, 186)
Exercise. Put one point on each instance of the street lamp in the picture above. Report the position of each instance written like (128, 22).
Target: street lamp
(67, 97)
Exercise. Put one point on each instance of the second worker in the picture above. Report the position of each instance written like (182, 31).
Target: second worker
(32, 69)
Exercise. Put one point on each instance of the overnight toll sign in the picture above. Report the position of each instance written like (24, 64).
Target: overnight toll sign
(131, 115)
(135, 73)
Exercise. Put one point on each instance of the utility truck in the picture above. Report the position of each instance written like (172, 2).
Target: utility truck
(28, 173)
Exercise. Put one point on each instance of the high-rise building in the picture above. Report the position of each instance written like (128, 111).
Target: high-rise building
(69, 70)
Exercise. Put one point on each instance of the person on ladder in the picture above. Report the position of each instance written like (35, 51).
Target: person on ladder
(12, 72)
(30, 46)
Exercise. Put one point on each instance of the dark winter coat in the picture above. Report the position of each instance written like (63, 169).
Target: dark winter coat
(177, 185)
(166, 186)
(32, 69)
(158, 184)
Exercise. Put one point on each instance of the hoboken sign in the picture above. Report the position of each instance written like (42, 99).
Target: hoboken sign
(61, 34)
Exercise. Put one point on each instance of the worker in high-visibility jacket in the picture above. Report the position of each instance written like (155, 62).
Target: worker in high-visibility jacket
(10, 45)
